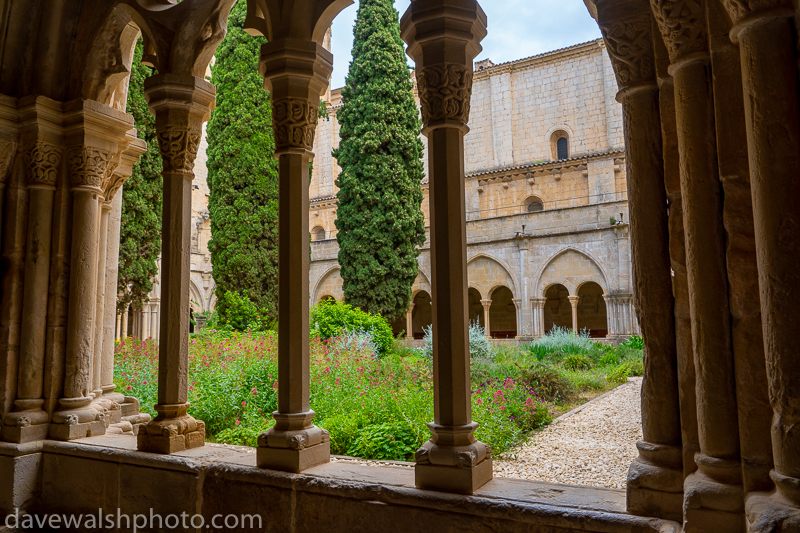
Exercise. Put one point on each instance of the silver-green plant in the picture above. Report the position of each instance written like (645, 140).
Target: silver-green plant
(479, 345)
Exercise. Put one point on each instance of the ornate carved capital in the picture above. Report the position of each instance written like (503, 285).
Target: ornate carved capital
(682, 24)
(88, 166)
(738, 9)
(113, 186)
(444, 92)
(8, 150)
(178, 147)
(43, 160)
(295, 122)
(630, 46)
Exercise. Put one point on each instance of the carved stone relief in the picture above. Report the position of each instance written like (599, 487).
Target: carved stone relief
(682, 23)
(294, 121)
(630, 46)
(444, 92)
(178, 147)
(88, 166)
(43, 160)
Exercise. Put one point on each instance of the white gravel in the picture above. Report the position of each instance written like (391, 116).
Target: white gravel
(592, 447)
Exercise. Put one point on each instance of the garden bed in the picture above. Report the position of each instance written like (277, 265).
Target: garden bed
(379, 407)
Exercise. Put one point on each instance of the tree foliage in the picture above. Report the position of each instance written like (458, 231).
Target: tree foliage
(242, 173)
(140, 231)
(380, 222)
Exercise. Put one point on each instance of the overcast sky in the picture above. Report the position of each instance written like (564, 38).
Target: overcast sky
(517, 29)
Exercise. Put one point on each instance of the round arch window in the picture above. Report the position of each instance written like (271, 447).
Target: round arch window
(562, 147)
(559, 145)
(319, 233)
(534, 204)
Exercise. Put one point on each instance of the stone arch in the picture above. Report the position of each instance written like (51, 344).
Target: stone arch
(557, 269)
(196, 300)
(329, 283)
(474, 306)
(502, 314)
(485, 272)
(557, 309)
(534, 204)
(556, 132)
(318, 233)
(592, 315)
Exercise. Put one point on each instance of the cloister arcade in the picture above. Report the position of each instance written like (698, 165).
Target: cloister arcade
(709, 90)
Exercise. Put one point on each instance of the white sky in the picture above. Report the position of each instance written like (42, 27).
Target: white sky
(517, 29)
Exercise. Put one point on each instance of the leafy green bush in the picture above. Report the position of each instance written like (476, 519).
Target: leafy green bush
(551, 386)
(577, 362)
(479, 345)
(240, 314)
(635, 341)
(330, 319)
(561, 340)
(619, 374)
(637, 368)
(385, 441)
(611, 358)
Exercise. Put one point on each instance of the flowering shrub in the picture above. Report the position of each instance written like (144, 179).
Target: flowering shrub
(330, 319)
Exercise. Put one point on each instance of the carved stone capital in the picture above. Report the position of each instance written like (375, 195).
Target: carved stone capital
(682, 24)
(630, 46)
(444, 93)
(294, 121)
(88, 166)
(43, 160)
(113, 186)
(738, 9)
(178, 147)
(8, 150)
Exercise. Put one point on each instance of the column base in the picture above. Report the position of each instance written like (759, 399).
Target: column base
(453, 461)
(27, 423)
(76, 419)
(776, 511)
(713, 504)
(452, 478)
(294, 444)
(172, 431)
(655, 482)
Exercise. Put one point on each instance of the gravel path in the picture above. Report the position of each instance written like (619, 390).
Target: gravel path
(592, 447)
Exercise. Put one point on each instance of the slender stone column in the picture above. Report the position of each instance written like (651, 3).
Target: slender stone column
(539, 304)
(487, 306)
(29, 422)
(124, 330)
(180, 103)
(154, 313)
(8, 152)
(655, 477)
(102, 251)
(443, 38)
(410, 322)
(296, 72)
(677, 253)
(573, 302)
(713, 499)
(767, 41)
(518, 305)
(752, 397)
(608, 299)
(145, 321)
(118, 330)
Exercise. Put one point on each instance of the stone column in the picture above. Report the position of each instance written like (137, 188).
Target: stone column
(573, 302)
(750, 368)
(124, 330)
(8, 152)
(28, 421)
(713, 497)
(296, 72)
(443, 38)
(93, 132)
(523, 320)
(118, 330)
(540, 303)
(655, 477)
(100, 292)
(154, 312)
(145, 313)
(609, 316)
(518, 305)
(410, 322)
(487, 306)
(767, 41)
(180, 103)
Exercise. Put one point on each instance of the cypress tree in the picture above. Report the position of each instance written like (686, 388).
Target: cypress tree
(379, 218)
(242, 173)
(140, 231)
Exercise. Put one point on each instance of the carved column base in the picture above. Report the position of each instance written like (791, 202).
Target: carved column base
(172, 431)
(453, 460)
(777, 511)
(655, 482)
(713, 497)
(293, 444)
(77, 418)
(27, 423)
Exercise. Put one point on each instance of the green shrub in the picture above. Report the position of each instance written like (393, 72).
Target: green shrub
(637, 368)
(611, 358)
(561, 340)
(586, 380)
(330, 319)
(240, 314)
(635, 341)
(243, 434)
(479, 345)
(550, 385)
(385, 441)
(576, 362)
(619, 374)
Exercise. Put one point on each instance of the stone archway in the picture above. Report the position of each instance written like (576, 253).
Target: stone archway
(475, 307)
(502, 314)
(592, 315)
(557, 309)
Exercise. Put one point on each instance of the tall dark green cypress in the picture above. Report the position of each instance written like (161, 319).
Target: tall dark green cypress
(140, 230)
(242, 172)
(379, 217)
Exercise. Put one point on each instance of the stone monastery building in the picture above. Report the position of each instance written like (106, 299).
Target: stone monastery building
(546, 201)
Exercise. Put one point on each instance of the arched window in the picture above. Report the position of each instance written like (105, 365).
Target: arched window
(562, 146)
(534, 204)
(319, 233)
